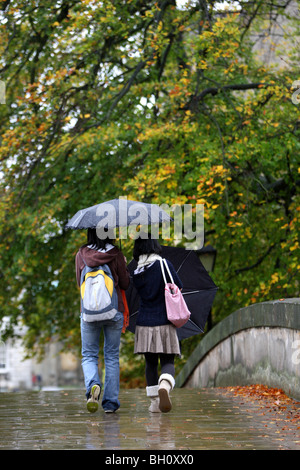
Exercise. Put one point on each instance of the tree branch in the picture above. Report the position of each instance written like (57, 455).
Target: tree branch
(195, 99)
(258, 262)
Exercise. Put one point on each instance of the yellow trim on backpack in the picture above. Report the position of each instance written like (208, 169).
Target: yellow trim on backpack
(108, 281)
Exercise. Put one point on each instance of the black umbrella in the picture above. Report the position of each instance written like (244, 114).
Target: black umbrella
(118, 213)
(199, 290)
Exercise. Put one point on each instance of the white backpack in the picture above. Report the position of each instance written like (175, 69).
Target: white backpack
(99, 299)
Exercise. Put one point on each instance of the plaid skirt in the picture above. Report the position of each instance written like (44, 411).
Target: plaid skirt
(156, 339)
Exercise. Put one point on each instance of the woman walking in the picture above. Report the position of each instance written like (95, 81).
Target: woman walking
(95, 253)
(155, 336)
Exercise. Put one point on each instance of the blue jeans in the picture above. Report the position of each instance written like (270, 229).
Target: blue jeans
(90, 338)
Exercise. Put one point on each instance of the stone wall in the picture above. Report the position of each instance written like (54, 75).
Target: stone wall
(256, 344)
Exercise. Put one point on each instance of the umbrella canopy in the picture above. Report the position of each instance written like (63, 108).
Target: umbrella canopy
(118, 213)
(199, 290)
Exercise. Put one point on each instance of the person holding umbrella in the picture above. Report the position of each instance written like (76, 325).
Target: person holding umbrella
(155, 335)
(98, 252)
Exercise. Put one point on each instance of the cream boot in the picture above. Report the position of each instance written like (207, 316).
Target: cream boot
(152, 392)
(166, 384)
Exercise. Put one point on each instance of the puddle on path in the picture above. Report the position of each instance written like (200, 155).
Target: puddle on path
(200, 419)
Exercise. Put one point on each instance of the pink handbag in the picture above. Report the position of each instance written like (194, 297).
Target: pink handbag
(177, 310)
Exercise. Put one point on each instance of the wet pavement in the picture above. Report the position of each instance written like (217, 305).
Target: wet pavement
(201, 419)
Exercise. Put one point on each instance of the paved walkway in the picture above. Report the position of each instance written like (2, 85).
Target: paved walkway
(200, 419)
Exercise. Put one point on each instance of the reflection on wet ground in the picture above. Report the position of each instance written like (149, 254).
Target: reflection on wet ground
(200, 419)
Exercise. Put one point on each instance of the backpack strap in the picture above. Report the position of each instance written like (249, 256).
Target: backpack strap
(82, 257)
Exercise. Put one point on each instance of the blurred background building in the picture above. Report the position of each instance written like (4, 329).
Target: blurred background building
(57, 370)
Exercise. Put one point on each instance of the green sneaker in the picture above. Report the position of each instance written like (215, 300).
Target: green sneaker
(92, 403)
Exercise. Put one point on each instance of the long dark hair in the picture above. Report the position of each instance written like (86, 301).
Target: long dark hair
(146, 246)
(93, 239)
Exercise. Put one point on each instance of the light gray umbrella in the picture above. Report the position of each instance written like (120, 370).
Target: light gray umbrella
(118, 213)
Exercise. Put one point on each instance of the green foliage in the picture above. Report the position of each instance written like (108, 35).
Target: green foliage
(159, 103)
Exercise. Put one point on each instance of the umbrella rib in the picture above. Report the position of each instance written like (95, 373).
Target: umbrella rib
(190, 251)
(79, 217)
(197, 326)
(192, 292)
(134, 313)
(200, 290)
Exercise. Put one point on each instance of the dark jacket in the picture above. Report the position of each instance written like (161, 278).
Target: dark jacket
(151, 288)
(115, 260)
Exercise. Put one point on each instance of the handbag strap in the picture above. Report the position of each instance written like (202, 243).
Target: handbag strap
(164, 262)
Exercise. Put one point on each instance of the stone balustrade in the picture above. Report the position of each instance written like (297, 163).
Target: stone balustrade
(255, 344)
